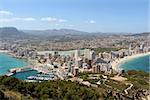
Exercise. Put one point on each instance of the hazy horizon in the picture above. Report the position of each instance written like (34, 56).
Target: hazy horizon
(58, 29)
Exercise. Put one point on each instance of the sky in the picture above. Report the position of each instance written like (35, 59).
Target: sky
(84, 15)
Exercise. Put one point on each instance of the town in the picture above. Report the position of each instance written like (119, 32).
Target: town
(64, 63)
(91, 65)
(74, 50)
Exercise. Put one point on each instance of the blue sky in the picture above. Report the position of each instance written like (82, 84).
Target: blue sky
(85, 15)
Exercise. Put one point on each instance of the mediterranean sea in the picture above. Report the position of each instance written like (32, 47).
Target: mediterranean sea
(139, 63)
(7, 62)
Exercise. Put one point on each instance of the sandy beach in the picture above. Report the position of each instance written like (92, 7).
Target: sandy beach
(4, 51)
(34, 62)
(116, 64)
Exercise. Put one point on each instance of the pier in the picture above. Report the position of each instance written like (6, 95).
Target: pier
(16, 70)
(9, 74)
(21, 69)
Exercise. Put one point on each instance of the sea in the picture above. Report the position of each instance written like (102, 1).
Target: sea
(7, 62)
(139, 63)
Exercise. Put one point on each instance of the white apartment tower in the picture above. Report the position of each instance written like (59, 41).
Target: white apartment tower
(90, 55)
(87, 53)
(77, 54)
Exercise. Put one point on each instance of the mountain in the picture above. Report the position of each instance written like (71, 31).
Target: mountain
(55, 32)
(60, 34)
(140, 34)
(10, 32)
(14, 33)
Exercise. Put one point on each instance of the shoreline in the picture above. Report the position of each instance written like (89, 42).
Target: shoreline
(4, 51)
(116, 63)
(19, 58)
(27, 60)
(7, 53)
(12, 55)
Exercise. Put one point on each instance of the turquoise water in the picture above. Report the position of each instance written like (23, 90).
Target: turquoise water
(7, 62)
(24, 75)
(140, 63)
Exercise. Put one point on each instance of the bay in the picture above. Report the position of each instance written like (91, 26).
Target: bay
(139, 63)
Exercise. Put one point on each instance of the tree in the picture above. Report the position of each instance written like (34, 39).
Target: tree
(2, 96)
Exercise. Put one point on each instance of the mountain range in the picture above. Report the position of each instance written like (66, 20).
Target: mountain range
(55, 33)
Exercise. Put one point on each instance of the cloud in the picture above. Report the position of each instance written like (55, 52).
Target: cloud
(17, 19)
(70, 25)
(52, 19)
(25, 19)
(62, 20)
(92, 21)
(48, 19)
(57, 24)
(7, 13)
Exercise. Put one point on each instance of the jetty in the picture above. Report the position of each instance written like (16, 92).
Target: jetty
(20, 69)
(9, 74)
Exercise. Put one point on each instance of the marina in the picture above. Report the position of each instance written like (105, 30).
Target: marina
(18, 70)
(42, 77)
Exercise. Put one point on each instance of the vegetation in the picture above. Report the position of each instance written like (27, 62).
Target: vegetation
(14, 89)
(108, 50)
(52, 89)
(139, 79)
(121, 87)
(1, 94)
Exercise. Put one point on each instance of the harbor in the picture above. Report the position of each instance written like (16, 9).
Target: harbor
(12, 71)
(39, 76)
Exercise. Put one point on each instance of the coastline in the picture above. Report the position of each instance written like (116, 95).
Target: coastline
(34, 63)
(116, 64)
(6, 67)
(4, 51)
(12, 55)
